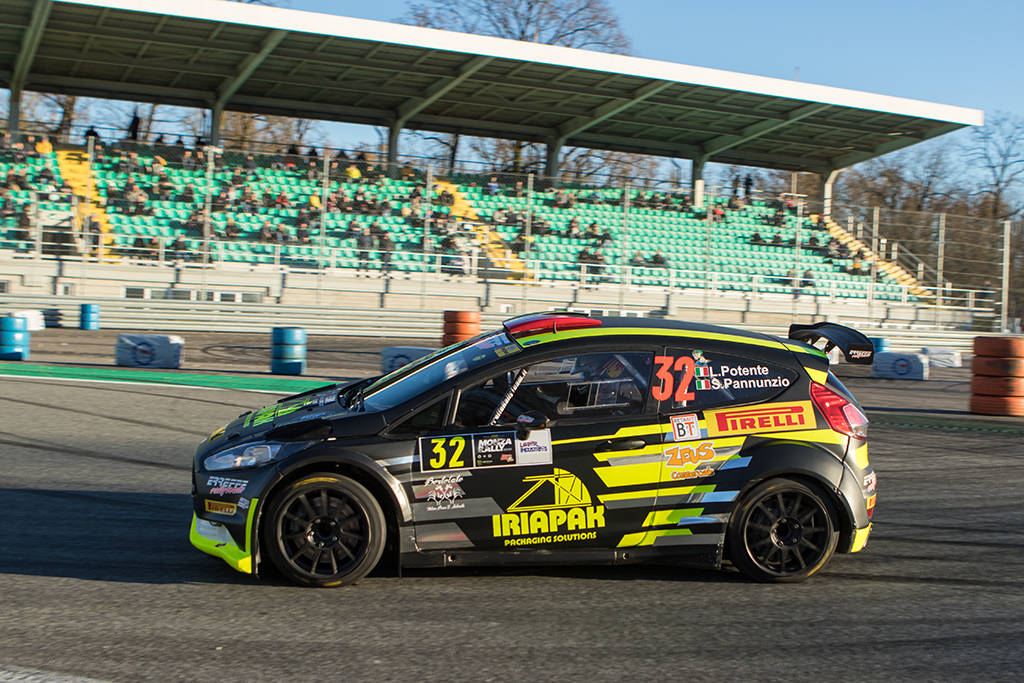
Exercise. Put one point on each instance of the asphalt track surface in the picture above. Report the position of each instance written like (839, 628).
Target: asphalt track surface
(98, 580)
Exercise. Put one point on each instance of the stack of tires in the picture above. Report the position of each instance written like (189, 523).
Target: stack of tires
(997, 387)
(459, 326)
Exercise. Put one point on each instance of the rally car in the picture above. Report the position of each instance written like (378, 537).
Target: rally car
(558, 438)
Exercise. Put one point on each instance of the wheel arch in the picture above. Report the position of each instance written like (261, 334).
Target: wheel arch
(384, 487)
(810, 465)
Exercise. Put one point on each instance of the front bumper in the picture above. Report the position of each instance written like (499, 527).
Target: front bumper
(860, 538)
(214, 539)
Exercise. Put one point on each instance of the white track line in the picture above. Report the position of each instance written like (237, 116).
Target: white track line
(15, 673)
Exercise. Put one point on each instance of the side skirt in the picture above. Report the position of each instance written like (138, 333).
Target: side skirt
(701, 557)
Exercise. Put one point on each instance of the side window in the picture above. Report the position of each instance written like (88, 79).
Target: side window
(579, 385)
(695, 379)
(424, 420)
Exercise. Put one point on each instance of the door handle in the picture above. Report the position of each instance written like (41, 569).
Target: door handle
(621, 445)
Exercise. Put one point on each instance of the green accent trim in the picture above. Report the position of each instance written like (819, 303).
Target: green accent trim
(269, 383)
(547, 337)
(239, 559)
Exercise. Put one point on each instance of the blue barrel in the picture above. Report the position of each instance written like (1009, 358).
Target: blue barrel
(881, 344)
(288, 351)
(14, 338)
(90, 317)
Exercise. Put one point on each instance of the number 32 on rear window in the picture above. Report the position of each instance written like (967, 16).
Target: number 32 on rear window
(665, 376)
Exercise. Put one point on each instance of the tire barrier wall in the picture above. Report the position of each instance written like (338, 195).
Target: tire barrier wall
(394, 357)
(89, 317)
(997, 387)
(900, 366)
(459, 326)
(149, 350)
(35, 320)
(288, 350)
(941, 357)
(14, 338)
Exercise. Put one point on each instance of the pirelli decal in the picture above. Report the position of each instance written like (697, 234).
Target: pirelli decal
(770, 417)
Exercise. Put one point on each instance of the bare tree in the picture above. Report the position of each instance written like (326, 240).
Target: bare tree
(585, 24)
(997, 149)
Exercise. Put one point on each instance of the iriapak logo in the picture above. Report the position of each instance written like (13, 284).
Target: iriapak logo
(554, 503)
(775, 417)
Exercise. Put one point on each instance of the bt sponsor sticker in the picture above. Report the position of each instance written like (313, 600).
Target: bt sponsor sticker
(685, 427)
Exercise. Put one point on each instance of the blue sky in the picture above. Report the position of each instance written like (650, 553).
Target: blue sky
(964, 53)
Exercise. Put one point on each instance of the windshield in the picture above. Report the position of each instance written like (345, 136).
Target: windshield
(429, 371)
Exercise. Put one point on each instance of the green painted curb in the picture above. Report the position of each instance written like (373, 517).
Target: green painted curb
(283, 385)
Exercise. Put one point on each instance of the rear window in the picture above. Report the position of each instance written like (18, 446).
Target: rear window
(695, 379)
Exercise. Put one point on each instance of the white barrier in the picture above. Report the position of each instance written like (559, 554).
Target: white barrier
(34, 321)
(943, 357)
(149, 350)
(394, 357)
(900, 366)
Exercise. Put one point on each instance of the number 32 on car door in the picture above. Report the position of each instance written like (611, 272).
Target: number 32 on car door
(666, 387)
(446, 453)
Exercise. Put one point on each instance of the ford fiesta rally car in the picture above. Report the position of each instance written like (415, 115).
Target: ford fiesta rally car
(558, 438)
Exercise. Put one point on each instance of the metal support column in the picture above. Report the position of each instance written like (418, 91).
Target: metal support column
(552, 167)
(528, 238)
(697, 181)
(394, 132)
(1005, 285)
(14, 113)
(826, 192)
(875, 213)
(216, 115)
(940, 261)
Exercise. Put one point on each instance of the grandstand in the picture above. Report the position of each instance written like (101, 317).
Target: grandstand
(135, 203)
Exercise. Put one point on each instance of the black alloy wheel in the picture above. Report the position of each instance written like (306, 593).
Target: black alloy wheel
(783, 531)
(325, 530)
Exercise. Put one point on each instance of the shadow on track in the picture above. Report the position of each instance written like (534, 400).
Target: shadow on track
(104, 535)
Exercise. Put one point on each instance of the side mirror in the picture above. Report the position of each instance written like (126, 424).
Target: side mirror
(528, 421)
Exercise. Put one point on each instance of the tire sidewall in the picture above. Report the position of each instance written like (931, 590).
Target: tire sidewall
(736, 538)
(359, 494)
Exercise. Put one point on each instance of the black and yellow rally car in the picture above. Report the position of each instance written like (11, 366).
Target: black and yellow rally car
(558, 438)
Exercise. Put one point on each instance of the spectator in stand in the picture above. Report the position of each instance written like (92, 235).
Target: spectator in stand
(833, 248)
(386, 246)
(776, 240)
(44, 146)
(351, 230)
(188, 194)
(248, 202)
(604, 239)
(313, 171)
(658, 260)
(638, 260)
(281, 235)
(188, 160)
(499, 216)
(250, 166)
(302, 233)
(779, 219)
(807, 280)
(736, 185)
(518, 190)
(735, 203)
(281, 200)
(593, 232)
(353, 174)
(231, 229)
(311, 152)
(757, 239)
(574, 228)
(376, 230)
(135, 198)
(165, 188)
(813, 244)
(717, 213)
(407, 173)
(598, 266)
(748, 184)
(492, 186)
(24, 225)
(179, 248)
(364, 243)
(446, 198)
(144, 248)
(266, 233)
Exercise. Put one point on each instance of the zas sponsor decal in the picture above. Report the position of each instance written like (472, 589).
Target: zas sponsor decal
(219, 507)
(772, 417)
(685, 427)
(556, 508)
(222, 486)
(443, 493)
(684, 456)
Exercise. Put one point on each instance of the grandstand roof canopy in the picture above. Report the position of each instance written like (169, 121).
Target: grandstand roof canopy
(208, 53)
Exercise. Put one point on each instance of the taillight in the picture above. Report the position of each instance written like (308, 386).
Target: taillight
(842, 415)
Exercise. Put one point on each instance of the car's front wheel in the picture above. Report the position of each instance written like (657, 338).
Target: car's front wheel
(325, 530)
(782, 531)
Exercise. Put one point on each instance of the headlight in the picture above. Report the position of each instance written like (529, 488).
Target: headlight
(240, 457)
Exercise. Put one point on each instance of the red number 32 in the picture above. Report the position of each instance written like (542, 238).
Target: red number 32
(666, 366)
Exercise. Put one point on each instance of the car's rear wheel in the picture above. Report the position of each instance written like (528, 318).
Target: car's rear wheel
(782, 531)
(325, 530)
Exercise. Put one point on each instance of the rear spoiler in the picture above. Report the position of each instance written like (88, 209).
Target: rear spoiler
(855, 346)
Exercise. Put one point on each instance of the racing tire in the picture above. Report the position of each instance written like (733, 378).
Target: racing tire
(783, 531)
(997, 386)
(462, 317)
(1000, 347)
(325, 530)
(467, 329)
(997, 405)
(998, 367)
